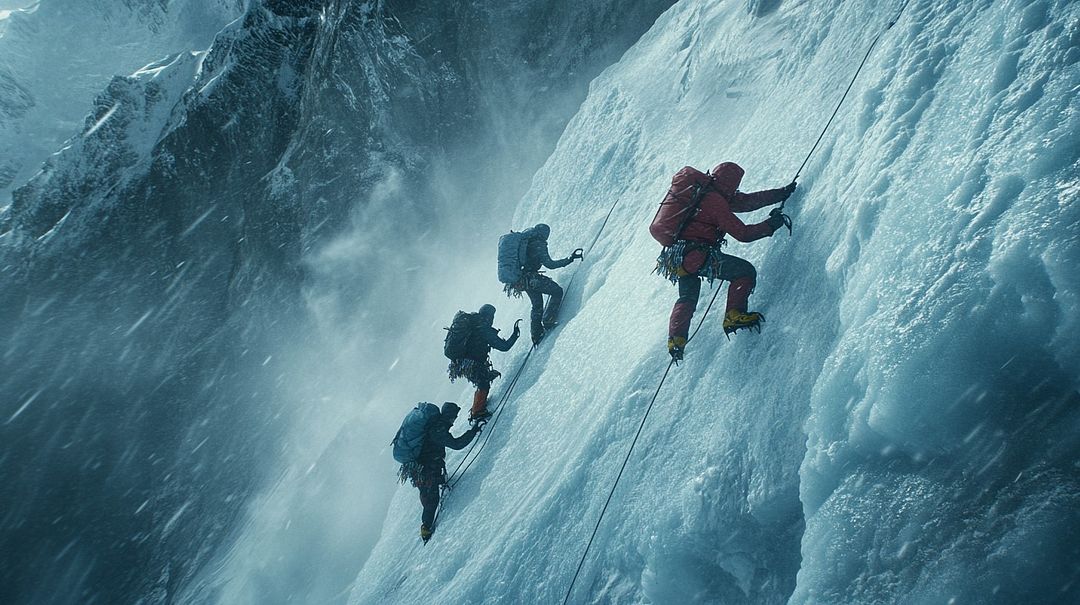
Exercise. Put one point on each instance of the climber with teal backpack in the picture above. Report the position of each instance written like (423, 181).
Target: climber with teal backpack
(420, 446)
(521, 255)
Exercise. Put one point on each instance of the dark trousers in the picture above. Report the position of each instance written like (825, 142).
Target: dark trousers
(430, 484)
(739, 272)
(536, 286)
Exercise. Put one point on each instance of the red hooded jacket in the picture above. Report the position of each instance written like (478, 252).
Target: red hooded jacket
(716, 216)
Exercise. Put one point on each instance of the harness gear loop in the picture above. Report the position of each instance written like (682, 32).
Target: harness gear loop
(669, 264)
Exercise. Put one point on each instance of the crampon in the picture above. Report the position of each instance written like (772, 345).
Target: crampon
(736, 320)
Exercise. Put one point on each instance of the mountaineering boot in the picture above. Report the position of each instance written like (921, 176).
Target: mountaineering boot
(736, 319)
(538, 335)
(479, 409)
(480, 422)
(425, 533)
(676, 347)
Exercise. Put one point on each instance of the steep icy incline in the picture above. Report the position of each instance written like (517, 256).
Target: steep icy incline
(213, 290)
(57, 55)
(905, 428)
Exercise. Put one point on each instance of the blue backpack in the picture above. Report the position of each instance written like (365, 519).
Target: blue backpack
(512, 256)
(410, 437)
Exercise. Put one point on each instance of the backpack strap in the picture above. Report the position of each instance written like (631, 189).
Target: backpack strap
(695, 205)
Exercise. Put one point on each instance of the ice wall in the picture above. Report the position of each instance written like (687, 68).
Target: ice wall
(904, 429)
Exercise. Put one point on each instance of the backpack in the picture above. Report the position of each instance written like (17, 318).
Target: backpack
(680, 205)
(410, 437)
(456, 345)
(512, 256)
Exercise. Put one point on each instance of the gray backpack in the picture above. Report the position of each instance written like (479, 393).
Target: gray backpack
(512, 256)
(410, 437)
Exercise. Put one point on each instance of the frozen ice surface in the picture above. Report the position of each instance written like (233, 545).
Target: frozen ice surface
(905, 427)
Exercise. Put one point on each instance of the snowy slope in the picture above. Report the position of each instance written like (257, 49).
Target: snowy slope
(905, 428)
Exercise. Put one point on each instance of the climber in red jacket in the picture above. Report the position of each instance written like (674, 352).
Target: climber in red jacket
(696, 252)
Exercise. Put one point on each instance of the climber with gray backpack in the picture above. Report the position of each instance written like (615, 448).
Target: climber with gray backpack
(521, 255)
(420, 446)
(469, 340)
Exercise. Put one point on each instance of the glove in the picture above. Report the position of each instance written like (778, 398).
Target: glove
(517, 329)
(577, 254)
(786, 192)
(778, 219)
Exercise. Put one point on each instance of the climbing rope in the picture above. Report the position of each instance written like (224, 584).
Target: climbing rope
(595, 239)
(452, 481)
(844, 97)
(455, 477)
(633, 443)
(648, 409)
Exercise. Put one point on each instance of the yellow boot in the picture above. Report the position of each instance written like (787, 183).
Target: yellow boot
(736, 319)
(676, 346)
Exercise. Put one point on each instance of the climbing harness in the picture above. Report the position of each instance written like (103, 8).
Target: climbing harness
(670, 261)
(663, 378)
(470, 369)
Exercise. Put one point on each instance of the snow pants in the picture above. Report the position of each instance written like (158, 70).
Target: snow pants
(431, 480)
(536, 286)
(739, 272)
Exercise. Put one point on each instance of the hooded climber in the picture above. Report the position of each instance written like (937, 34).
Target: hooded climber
(432, 462)
(694, 246)
(470, 338)
(536, 285)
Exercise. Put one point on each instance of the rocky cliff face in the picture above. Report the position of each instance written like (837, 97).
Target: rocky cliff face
(57, 55)
(219, 216)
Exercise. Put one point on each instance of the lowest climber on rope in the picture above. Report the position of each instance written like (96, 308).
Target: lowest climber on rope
(420, 447)
(698, 210)
(520, 257)
(469, 339)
